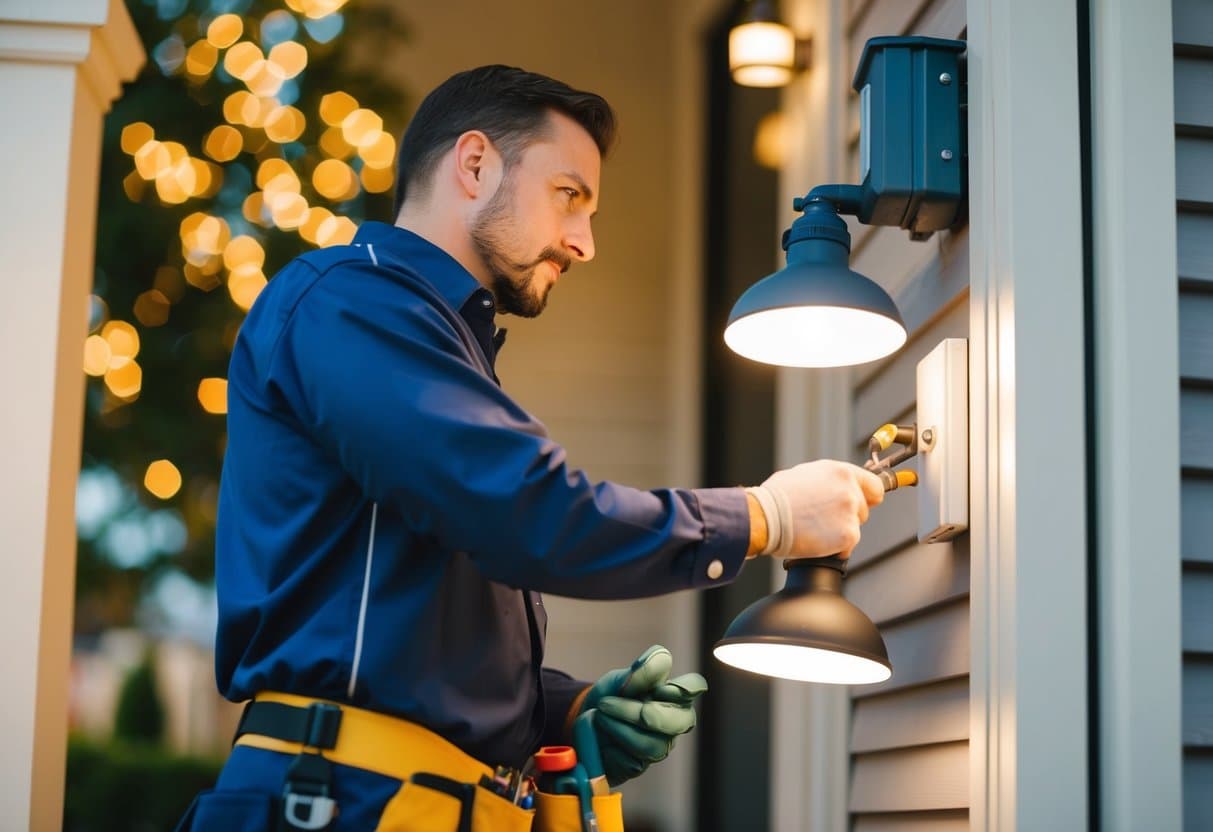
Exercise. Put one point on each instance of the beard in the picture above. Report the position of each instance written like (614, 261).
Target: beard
(512, 281)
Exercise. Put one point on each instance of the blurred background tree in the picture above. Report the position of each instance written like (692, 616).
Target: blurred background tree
(257, 130)
(139, 717)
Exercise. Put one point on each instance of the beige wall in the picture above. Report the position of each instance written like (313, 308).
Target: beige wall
(611, 367)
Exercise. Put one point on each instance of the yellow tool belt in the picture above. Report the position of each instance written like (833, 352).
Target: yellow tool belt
(400, 749)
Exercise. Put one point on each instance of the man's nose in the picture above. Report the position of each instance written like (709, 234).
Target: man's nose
(579, 239)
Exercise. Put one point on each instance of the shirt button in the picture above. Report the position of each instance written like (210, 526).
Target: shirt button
(487, 303)
(715, 569)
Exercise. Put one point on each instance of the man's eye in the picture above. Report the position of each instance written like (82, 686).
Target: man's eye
(572, 193)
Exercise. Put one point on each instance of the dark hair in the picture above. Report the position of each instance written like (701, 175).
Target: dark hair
(508, 104)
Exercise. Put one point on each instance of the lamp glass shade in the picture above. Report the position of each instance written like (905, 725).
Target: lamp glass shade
(802, 664)
(807, 631)
(762, 54)
(815, 336)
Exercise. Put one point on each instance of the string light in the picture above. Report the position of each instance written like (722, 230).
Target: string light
(244, 284)
(335, 106)
(162, 479)
(212, 395)
(135, 136)
(224, 143)
(124, 381)
(152, 308)
(123, 343)
(200, 59)
(335, 180)
(225, 30)
(381, 152)
(241, 59)
(96, 355)
(290, 56)
(377, 180)
(362, 127)
(284, 124)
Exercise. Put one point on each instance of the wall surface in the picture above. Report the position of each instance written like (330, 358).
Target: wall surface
(909, 736)
(1193, 26)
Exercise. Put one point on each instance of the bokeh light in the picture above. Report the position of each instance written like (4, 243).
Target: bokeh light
(212, 395)
(335, 231)
(335, 180)
(244, 284)
(225, 30)
(284, 124)
(152, 308)
(377, 180)
(224, 143)
(96, 355)
(241, 59)
(333, 143)
(290, 56)
(124, 381)
(362, 127)
(381, 152)
(135, 136)
(162, 479)
(123, 342)
(200, 59)
(315, 218)
(335, 106)
(243, 250)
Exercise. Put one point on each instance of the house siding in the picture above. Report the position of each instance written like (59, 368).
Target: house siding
(909, 736)
(1193, 34)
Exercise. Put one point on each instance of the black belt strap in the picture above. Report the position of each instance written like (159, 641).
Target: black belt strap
(315, 726)
(465, 793)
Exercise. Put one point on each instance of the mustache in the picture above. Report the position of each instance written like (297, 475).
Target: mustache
(560, 258)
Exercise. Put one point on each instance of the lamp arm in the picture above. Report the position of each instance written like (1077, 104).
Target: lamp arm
(846, 199)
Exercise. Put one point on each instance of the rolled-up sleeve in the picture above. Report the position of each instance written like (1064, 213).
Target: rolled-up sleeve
(392, 391)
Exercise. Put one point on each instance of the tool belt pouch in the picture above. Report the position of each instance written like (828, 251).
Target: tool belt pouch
(432, 803)
(562, 812)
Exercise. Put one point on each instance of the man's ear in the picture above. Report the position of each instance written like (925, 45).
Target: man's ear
(477, 164)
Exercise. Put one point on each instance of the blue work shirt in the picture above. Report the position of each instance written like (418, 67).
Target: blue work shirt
(388, 515)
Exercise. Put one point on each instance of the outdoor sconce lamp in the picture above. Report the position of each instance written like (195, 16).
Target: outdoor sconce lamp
(816, 312)
(763, 52)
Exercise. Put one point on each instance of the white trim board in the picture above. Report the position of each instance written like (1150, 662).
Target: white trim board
(1028, 707)
(1136, 416)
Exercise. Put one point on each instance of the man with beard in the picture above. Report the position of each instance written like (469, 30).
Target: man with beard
(389, 516)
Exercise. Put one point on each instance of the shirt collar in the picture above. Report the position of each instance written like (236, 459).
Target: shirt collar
(452, 280)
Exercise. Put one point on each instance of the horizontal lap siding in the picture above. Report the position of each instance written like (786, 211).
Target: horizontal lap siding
(909, 735)
(1193, 22)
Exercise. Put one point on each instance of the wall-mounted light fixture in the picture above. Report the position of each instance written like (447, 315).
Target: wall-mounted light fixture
(816, 312)
(763, 52)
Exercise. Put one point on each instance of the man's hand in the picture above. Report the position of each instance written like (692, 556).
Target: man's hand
(816, 508)
(641, 711)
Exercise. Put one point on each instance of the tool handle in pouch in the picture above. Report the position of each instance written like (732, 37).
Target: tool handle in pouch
(585, 741)
(566, 801)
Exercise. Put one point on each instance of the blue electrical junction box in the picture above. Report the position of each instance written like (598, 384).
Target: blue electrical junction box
(911, 139)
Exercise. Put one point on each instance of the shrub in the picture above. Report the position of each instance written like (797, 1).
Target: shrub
(130, 787)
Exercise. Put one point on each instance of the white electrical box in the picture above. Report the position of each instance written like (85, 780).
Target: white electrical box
(943, 441)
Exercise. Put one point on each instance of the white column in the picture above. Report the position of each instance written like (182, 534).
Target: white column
(1028, 736)
(1137, 416)
(61, 67)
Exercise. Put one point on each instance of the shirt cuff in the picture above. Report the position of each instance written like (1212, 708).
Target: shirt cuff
(560, 691)
(726, 536)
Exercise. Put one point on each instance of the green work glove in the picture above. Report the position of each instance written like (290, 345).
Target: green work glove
(640, 712)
